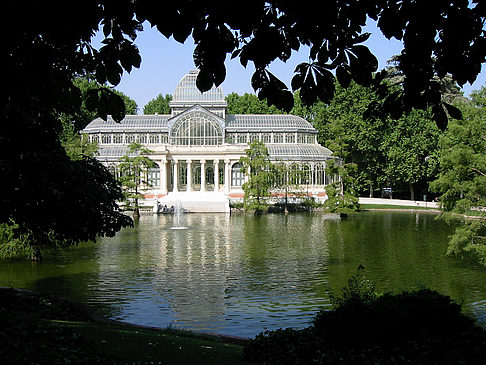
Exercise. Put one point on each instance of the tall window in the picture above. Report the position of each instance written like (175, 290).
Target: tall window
(237, 175)
(153, 176)
(196, 129)
(319, 174)
(106, 138)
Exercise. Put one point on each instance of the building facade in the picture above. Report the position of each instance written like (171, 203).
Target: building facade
(197, 147)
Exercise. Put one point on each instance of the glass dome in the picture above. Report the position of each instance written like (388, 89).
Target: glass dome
(187, 91)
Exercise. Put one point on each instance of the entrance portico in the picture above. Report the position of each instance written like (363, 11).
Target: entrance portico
(196, 174)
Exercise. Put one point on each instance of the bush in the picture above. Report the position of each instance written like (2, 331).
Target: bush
(340, 203)
(420, 327)
(14, 246)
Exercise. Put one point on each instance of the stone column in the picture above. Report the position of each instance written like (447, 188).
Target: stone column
(227, 178)
(216, 174)
(203, 175)
(176, 176)
(163, 176)
(189, 176)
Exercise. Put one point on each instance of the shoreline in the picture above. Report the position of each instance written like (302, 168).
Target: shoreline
(86, 315)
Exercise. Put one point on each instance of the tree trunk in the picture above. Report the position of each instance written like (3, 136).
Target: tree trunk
(36, 255)
(371, 190)
(136, 210)
(286, 207)
(412, 192)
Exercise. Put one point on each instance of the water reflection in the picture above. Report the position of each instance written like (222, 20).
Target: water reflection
(241, 274)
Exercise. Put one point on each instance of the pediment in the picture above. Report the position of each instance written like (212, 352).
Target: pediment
(197, 110)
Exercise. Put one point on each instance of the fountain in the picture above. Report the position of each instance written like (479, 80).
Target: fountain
(178, 212)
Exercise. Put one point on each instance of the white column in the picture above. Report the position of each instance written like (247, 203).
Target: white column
(216, 174)
(227, 178)
(163, 176)
(189, 175)
(312, 168)
(175, 176)
(203, 175)
(324, 176)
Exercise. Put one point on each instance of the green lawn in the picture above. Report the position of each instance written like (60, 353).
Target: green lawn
(388, 206)
(42, 330)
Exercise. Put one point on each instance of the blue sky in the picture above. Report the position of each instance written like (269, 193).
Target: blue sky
(165, 62)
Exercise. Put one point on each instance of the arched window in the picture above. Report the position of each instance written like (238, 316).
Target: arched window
(305, 174)
(294, 174)
(319, 175)
(237, 174)
(196, 129)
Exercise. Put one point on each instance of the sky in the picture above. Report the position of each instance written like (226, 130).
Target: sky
(165, 62)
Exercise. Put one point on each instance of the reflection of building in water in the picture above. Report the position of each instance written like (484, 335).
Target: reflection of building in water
(198, 145)
(214, 276)
(192, 268)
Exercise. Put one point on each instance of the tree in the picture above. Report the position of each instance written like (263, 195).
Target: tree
(462, 176)
(133, 168)
(353, 138)
(410, 145)
(131, 106)
(159, 105)
(248, 104)
(257, 167)
(342, 195)
(286, 178)
(76, 146)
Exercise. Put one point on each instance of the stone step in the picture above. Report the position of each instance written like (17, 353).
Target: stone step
(198, 202)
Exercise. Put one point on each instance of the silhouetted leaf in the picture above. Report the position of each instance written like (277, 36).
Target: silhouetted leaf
(362, 38)
(343, 76)
(440, 116)
(204, 80)
(453, 111)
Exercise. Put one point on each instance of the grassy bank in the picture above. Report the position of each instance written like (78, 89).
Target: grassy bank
(44, 330)
(396, 207)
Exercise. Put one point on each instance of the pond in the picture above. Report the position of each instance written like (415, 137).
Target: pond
(239, 274)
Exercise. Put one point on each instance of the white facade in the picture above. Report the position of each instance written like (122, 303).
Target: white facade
(198, 146)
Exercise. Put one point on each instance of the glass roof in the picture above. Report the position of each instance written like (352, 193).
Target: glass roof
(130, 123)
(298, 151)
(267, 121)
(113, 152)
(234, 123)
(187, 91)
(277, 152)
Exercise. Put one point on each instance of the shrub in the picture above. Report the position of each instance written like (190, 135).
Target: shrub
(14, 246)
(420, 327)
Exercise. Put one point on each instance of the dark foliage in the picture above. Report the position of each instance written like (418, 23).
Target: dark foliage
(420, 327)
(27, 338)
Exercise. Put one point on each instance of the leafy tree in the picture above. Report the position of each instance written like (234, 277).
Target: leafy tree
(134, 167)
(410, 145)
(131, 106)
(355, 139)
(342, 195)
(286, 178)
(257, 167)
(249, 104)
(77, 146)
(462, 177)
(159, 105)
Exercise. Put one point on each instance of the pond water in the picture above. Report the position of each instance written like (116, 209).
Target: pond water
(241, 274)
